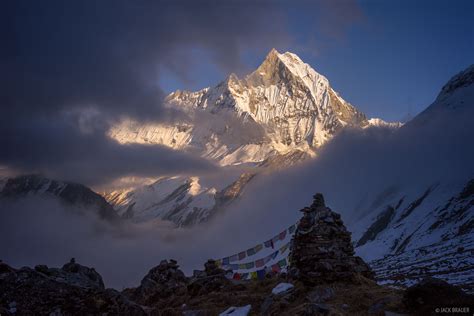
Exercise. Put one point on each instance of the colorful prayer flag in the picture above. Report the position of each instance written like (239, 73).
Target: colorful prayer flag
(244, 276)
(242, 266)
(275, 254)
(234, 258)
(237, 276)
(253, 275)
(276, 268)
(271, 256)
(250, 265)
(258, 247)
(261, 274)
(292, 229)
(259, 263)
(282, 263)
(284, 248)
(282, 235)
(276, 238)
(268, 244)
(219, 263)
(242, 255)
(250, 252)
(225, 261)
(267, 258)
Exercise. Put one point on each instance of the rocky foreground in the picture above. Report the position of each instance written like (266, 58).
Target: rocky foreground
(324, 278)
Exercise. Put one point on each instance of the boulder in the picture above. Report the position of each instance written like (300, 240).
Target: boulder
(423, 298)
(71, 290)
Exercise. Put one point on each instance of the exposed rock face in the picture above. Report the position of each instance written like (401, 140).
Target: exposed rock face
(72, 290)
(76, 274)
(321, 248)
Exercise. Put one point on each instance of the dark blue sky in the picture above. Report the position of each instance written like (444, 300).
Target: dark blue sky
(388, 58)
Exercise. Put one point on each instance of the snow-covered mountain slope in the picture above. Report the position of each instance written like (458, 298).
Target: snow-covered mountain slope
(456, 96)
(187, 201)
(275, 117)
(179, 199)
(430, 232)
(377, 122)
(412, 233)
(73, 194)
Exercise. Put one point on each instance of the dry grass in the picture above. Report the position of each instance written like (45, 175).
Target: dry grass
(348, 299)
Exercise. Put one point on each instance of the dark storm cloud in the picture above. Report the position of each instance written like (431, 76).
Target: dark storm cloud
(108, 53)
(104, 58)
(44, 147)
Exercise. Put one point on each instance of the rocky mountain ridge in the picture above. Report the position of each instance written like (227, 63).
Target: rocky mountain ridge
(284, 103)
(72, 194)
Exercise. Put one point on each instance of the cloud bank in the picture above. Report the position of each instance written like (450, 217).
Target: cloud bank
(70, 70)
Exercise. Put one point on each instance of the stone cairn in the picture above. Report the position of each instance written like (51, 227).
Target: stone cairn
(321, 250)
(162, 281)
(211, 279)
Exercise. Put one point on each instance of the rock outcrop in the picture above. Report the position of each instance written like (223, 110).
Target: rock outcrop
(431, 295)
(72, 290)
(211, 279)
(69, 193)
(161, 282)
(321, 249)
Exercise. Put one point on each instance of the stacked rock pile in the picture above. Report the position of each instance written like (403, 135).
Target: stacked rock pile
(213, 278)
(321, 250)
(162, 281)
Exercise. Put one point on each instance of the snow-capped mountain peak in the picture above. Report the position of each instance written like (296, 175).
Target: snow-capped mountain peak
(280, 113)
(282, 106)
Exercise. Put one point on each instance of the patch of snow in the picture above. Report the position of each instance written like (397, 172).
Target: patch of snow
(237, 311)
(377, 122)
(281, 288)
